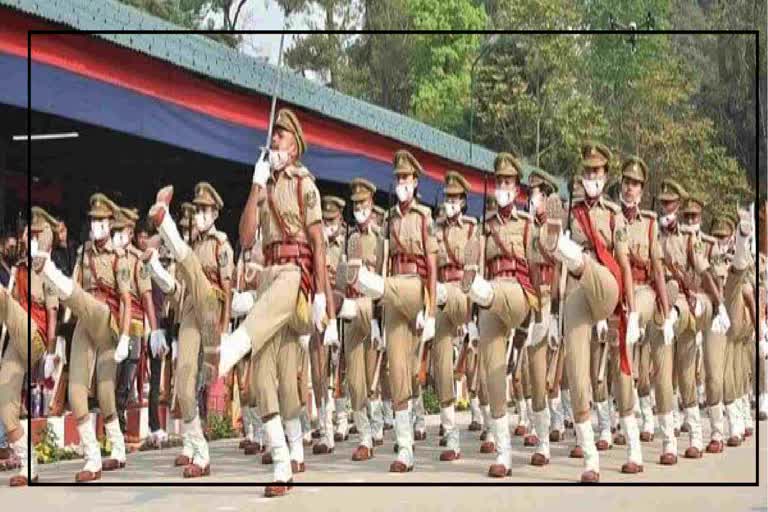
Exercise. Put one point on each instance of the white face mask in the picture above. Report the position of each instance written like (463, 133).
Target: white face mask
(330, 230)
(505, 197)
(690, 228)
(99, 229)
(33, 247)
(362, 215)
(535, 202)
(628, 204)
(203, 221)
(404, 192)
(118, 240)
(278, 159)
(593, 188)
(668, 219)
(452, 209)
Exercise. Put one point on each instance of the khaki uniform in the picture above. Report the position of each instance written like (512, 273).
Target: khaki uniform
(590, 299)
(452, 238)
(282, 310)
(411, 236)
(203, 271)
(14, 364)
(359, 352)
(676, 248)
(106, 275)
(644, 250)
(537, 354)
(334, 250)
(507, 246)
(740, 336)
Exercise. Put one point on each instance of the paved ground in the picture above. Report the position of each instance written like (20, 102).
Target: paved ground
(229, 465)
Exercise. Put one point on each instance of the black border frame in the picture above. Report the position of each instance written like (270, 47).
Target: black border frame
(494, 483)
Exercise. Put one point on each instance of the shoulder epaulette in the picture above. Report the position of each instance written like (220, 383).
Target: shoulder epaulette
(469, 218)
(615, 208)
(648, 213)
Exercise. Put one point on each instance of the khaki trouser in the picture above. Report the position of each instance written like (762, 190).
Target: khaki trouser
(199, 325)
(279, 316)
(622, 384)
(594, 298)
(643, 366)
(741, 332)
(403, 299)
(95, 338)
(275, 385)
(450, 317)
(663, 357)
(14, 364)
(359, 354)
(507, 311)
(537, 365)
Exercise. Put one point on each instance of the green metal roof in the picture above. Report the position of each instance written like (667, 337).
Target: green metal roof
(207, 57)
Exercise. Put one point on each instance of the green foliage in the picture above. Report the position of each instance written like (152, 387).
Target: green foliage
(431, 403)
(220, 427)
(47, 451)
(197, 14)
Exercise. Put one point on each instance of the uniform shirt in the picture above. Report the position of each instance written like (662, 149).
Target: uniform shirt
(514, 234)
(334, 250)
(104, 268)
(407, 229)
(40, 296)
(643, 240)
(283, 188)
(675, 245)
(717, 258)
(367, 244)
(614, 233)
(215, 255)
(452, 236)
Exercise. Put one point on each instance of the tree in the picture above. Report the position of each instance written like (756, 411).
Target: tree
(197, 14)
(531, 95)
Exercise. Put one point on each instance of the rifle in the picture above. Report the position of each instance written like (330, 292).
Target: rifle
(481, 269)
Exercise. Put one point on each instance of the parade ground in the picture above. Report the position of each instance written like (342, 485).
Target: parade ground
(228, 465)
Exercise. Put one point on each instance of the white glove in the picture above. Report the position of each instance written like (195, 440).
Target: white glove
(602, 329)
(668, 327)
(721, 322)
(242, 303)
(331, 335)
(420, 321)
(474, 334)
(174, 349)
(633, 328)
(304, 342)
(699, 339)
(539, 331)
(378, 340)
(123, 348)
(348, 309)
(261, 169)
(698, 308)
(553, 334)
(318, 310)
(157, 344)
(763, 348)
(49, 364)
(429, 328)
(61, 349)
(67, 315)
(442, 294)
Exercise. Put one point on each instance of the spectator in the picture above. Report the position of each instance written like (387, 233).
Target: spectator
(64, 254)
(8, 256)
